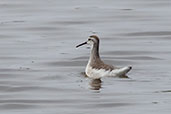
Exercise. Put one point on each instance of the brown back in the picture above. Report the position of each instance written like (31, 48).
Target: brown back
(98, 64)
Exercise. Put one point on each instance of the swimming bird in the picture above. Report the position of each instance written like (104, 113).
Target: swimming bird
(96, 68)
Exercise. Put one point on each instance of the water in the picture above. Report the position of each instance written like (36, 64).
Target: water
(41, 71)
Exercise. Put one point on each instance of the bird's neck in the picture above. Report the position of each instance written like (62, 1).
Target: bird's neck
(94, 55)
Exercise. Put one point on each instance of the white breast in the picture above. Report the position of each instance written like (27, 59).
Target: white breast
(99, 73)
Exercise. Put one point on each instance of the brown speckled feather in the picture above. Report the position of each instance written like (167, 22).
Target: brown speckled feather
(98, 64)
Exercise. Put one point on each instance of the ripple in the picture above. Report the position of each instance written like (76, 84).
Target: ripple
(16, 106)
(70, 22)
(164, 91)
(66, 63)
(152, 33)
(135, 58)
(127, 52)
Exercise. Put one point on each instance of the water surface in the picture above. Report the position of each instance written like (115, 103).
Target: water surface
(41, 71)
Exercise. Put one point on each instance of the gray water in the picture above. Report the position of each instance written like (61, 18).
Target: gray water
(41, 71)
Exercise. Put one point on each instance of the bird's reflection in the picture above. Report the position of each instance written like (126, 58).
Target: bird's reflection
(95, 84)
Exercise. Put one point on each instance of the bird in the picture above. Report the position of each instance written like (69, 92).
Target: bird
(96, 68)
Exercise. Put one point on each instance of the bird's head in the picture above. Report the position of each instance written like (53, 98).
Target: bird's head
(92, 40)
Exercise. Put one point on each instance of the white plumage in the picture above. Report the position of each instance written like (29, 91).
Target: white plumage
(99, 73)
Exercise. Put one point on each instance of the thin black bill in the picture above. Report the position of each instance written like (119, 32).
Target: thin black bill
(81, 44)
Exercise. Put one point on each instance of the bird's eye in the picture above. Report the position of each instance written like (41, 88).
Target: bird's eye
(89, 39)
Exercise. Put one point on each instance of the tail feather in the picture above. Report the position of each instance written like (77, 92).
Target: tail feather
(122, 71)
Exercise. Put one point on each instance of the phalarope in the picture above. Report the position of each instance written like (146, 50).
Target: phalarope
(96, 68)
